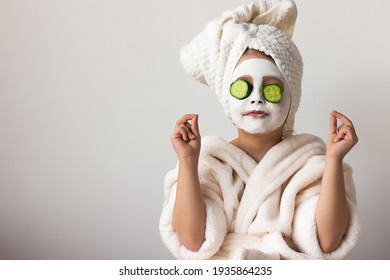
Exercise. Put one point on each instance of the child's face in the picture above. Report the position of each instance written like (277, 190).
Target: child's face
(254, 114)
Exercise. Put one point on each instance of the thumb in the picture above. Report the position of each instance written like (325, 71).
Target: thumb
(332, 124)
(195, 125)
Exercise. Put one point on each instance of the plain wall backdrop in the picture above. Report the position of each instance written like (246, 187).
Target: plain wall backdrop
(90, 92)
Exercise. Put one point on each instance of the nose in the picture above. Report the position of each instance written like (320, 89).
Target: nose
(258, 101)
(256, 98)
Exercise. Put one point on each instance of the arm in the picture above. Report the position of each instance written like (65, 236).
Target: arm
(189, 213)
(332, 212)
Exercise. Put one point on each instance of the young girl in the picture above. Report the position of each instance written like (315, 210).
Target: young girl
(268, 194)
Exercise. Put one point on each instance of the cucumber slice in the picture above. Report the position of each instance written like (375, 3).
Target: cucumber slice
(240, 89)
(272, 93)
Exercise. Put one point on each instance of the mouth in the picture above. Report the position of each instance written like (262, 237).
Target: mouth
(256, 114)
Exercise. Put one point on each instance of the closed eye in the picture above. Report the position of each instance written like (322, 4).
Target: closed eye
(269, 80)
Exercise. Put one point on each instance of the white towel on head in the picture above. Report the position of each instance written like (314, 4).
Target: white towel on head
(265, 25)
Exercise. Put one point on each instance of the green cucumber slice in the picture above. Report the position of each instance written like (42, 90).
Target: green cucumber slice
(240, 89)
(272, 93)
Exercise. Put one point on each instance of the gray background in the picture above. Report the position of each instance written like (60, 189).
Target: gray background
(90, 92)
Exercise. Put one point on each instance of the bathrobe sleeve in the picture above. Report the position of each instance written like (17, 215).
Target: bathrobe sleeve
(216, 225)
(304, 225)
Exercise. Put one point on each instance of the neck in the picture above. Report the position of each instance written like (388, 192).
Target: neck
(257, 145)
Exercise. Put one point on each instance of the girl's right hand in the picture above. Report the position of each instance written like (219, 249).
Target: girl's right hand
(186, 137)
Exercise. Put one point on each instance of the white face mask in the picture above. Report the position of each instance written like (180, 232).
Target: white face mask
(254, 114)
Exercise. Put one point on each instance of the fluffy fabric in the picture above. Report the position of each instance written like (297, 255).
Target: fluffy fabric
(260, 211)
(266, 26)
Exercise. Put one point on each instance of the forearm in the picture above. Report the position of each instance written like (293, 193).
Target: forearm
(332, 212)
(189, 214)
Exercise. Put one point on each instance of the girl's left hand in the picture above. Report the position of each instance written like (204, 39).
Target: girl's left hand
(340, 139)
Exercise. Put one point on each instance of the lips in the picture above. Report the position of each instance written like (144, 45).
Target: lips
(256, 114)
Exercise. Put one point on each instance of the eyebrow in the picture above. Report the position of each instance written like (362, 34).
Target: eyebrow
(278, 80)
(265, 78)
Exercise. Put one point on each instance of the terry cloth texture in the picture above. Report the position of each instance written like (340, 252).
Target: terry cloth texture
(266, 26)
(264, 210)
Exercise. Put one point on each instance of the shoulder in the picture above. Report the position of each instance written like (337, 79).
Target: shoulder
(216, 148)
(213, 143)
(305, 138)
(211, 140)
(299, 145)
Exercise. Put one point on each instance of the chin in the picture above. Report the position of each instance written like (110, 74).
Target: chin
(256, 130)
(260, 129)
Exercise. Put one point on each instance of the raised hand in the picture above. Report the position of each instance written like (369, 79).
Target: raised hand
(186, 137)
(341, 139)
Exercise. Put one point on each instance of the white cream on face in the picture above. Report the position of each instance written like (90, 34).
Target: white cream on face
(254, 114)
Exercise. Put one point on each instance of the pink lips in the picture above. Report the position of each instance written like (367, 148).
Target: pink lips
(256, 114)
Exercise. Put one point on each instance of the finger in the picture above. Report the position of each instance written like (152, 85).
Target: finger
(342, 132)
(184, 133)
(177, 134)
(181, 132)
(187, 127)
(340, 136)
(342, 118)
(340, 128)
(184, 119)
(195, 125)
(333, 124)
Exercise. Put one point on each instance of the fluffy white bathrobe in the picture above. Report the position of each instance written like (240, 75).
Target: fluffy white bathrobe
(264, 210)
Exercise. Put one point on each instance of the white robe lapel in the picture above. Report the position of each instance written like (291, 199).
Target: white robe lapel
(277, 166)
